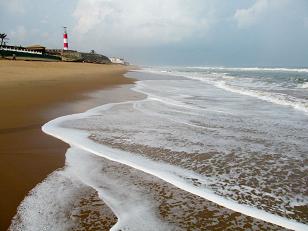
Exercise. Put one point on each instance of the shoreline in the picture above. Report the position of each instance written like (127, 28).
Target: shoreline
(33, 93)
(86, 101)
(80, 140)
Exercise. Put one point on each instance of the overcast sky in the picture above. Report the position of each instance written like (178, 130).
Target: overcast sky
(168, 32)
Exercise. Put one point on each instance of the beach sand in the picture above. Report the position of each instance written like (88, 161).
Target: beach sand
(31, 94)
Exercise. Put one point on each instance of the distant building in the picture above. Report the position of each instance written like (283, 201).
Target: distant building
(117, 60)
(35, 52)
(37, 48)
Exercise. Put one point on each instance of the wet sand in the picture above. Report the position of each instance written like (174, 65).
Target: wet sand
(31, 94)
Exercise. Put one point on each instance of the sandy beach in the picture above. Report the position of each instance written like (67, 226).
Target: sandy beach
(31, 94)
(90, 190)
(209, 131)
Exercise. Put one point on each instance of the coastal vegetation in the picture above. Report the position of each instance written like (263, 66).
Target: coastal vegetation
(3, 37)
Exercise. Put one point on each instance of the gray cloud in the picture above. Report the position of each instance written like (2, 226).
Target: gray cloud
(140, 23)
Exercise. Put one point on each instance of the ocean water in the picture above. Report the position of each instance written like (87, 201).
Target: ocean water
(206, 148)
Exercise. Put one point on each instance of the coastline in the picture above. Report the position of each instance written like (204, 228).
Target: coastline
(79, 141)
(94, 193)
(33, 93)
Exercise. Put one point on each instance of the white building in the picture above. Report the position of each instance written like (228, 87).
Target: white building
(117, 60)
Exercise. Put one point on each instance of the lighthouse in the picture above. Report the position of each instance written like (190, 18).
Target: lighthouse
(65, 41)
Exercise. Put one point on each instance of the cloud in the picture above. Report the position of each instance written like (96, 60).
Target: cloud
(14, 6)
(261, 11)
(140, 22)
(249, 16)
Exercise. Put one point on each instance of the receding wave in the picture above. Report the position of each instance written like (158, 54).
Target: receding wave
(51, 204)
(79, 197)
(184, 179)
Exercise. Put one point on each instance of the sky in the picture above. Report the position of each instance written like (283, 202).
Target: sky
(167, 32)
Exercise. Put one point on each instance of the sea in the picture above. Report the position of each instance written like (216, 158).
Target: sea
(203, 148)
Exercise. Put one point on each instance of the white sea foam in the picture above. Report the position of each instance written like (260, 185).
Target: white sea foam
(49, 205)
(53, 204)
(276, 98)
(272, 97)
(135, 211)
(174, 175)
(304, 85)
(274, 69)
(219, 80)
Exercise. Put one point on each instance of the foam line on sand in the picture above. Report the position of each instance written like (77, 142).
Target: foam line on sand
(171, 174)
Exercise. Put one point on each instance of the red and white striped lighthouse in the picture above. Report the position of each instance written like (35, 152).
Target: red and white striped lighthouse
(65, 40)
